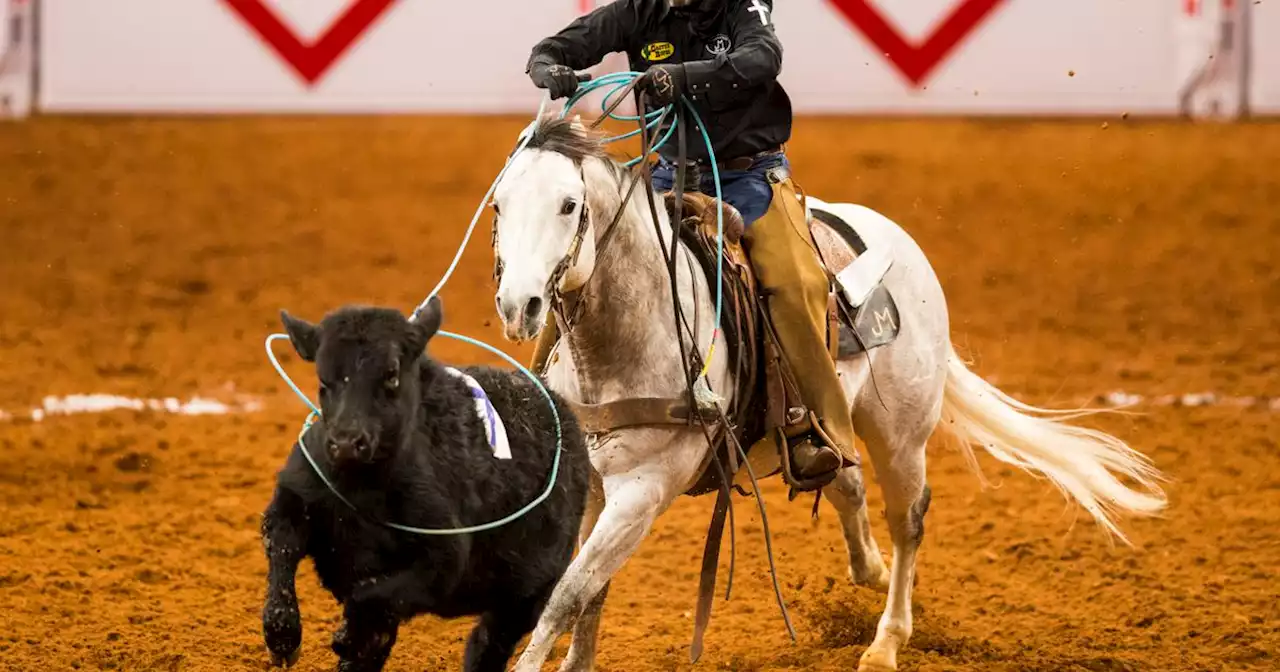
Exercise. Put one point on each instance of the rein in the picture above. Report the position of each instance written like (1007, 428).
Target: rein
(566, 306)
(710, 416)
(638, 175)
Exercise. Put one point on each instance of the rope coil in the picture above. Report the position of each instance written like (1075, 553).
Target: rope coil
(618, 82)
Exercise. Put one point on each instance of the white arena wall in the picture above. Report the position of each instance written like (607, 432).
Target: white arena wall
(971, 57)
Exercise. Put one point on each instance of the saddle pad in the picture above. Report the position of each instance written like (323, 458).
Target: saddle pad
(875, 323)
(875, 320)
(864, 274)
(494, 430)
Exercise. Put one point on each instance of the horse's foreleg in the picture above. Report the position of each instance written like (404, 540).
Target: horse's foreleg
(628, 515)
(586, 632)
(633, 500)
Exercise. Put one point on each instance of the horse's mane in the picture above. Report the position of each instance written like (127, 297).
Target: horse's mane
(562, 136)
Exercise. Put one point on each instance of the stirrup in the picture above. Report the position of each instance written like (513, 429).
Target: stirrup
(806, 428)
(798, 484)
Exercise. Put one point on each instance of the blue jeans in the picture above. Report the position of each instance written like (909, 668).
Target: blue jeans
(747, 190)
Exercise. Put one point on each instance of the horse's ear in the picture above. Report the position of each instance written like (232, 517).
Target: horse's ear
(304, 336)
(520, 139)
(577, 125)
(426, 322)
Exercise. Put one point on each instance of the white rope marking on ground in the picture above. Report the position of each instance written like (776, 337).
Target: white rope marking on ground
(75, 404)
(1119, 398)
(100, 403)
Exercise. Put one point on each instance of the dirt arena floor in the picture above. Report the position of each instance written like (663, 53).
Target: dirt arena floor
(150, 258)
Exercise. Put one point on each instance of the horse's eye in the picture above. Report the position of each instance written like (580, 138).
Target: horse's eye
(496, 210)
(393, 382)
(568, 207)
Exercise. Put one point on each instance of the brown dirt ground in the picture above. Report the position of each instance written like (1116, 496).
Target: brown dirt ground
(150, 257)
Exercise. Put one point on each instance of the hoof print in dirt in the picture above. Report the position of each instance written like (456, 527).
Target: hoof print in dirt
(411, 444)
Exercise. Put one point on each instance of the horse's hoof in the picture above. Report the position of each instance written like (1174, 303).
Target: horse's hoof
(871, 662)
(287, 661)
(880, 583)
(882, 655)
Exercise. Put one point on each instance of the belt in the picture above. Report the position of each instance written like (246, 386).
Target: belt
(738, 163)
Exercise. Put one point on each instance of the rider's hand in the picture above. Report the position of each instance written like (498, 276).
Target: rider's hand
(663, 83)
(559, 80)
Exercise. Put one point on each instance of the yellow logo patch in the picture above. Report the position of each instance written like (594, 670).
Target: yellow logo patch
(658, 51)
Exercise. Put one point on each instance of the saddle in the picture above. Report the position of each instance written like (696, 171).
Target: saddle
(764, 402)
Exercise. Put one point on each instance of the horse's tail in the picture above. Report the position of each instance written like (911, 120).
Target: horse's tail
(1077, 460)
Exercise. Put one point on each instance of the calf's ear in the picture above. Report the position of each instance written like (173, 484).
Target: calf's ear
(304, 336)
(426, 322)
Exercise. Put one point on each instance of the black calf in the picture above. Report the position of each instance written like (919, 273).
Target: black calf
(401, 441)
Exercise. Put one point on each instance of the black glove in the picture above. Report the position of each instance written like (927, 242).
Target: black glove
(664, 84)
(559, 80)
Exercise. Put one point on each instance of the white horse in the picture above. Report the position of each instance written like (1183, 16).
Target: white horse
(624, 346)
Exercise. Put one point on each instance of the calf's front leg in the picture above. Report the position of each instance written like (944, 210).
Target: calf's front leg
(364, 641)
(376, 607)
(284, 538)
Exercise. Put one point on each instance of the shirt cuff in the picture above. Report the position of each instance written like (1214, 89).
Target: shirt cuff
(700, 75)
(539, 57)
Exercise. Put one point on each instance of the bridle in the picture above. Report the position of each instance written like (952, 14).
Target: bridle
(566, 304)
(570, 257)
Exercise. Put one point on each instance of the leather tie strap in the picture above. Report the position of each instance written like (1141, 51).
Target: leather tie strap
(636, 412)
(707, 582)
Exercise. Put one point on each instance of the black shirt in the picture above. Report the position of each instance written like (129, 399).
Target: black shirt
(731, 54)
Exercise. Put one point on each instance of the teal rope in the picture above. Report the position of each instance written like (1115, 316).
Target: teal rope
(618, 81)
(715, 176)
(466, 239)
(484, 527)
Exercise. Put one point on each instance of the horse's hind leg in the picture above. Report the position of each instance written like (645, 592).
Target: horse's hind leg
(896, 441)
(586, 632)
(849, 497)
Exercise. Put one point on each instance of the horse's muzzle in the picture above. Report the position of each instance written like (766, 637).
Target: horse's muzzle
(523, 318)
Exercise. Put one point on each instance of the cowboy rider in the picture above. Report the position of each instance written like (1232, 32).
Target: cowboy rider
(724, 56)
